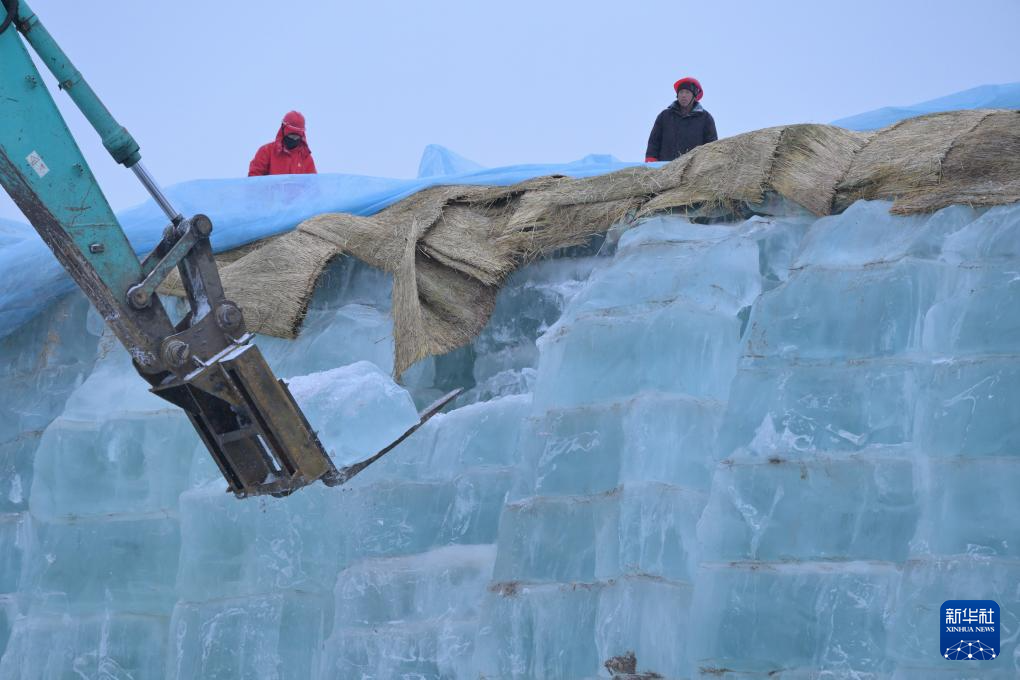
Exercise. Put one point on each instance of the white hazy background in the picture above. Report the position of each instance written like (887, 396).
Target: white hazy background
(202, 84)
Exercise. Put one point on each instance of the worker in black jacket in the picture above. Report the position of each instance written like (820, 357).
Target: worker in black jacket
(682, 126)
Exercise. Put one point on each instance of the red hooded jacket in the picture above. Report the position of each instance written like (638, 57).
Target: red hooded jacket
(276, 159)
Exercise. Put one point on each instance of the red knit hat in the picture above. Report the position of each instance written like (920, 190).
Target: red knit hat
(294, 123)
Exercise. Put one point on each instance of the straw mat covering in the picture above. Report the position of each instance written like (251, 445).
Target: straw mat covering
(450, 248)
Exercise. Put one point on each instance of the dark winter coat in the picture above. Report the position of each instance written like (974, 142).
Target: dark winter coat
(675, 134)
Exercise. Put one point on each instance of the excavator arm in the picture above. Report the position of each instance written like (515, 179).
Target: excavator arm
(206, 363)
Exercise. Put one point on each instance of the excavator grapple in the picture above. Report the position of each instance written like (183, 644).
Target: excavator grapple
(250, 423)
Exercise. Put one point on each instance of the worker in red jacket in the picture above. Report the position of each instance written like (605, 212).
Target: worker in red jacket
(289, 154)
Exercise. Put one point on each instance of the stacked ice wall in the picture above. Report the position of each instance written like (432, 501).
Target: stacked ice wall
(759, 450)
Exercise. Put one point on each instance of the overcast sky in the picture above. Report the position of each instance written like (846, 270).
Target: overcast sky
(202, 84)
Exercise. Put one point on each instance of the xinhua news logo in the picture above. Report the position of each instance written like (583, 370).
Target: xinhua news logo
(970, 630)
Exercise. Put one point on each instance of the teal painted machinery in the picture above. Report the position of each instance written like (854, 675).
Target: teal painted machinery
(206, 364)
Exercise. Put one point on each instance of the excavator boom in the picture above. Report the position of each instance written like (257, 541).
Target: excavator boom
(204, 364)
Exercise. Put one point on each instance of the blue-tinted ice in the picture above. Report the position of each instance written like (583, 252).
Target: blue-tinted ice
(760, 450)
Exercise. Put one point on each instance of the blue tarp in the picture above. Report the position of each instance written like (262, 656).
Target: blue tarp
(248, 209)
(1005, 96)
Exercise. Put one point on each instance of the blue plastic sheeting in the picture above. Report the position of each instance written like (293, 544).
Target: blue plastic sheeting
(1005, 96)
(248, 209)
(438, 160)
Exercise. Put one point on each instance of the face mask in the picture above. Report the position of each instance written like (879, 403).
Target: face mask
(291, 141)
